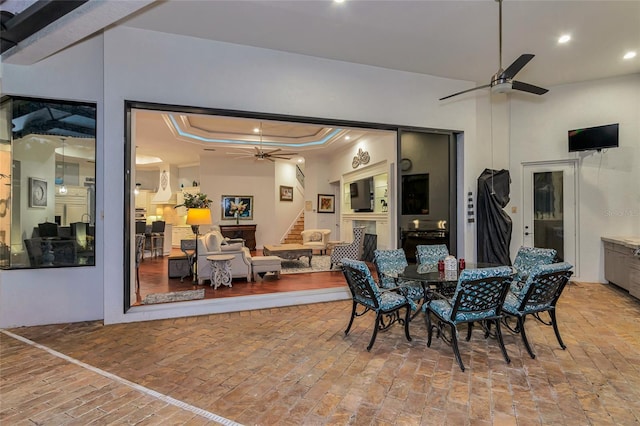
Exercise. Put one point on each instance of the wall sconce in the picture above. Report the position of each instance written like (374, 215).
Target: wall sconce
(136, 190)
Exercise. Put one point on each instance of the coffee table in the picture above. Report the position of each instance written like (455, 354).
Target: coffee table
(288, 251)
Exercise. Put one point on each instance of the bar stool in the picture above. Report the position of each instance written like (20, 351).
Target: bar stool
(157, 237)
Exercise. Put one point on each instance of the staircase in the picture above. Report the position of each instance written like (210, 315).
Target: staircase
(294, 237)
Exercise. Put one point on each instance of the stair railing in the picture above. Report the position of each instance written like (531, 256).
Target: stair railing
(300, 175)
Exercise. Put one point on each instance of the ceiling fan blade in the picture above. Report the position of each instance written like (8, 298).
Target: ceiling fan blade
(286, 153)
(245, 153)
(279, 157)
(465, 91)
(516, 66)
(273, 150)
(526, 87)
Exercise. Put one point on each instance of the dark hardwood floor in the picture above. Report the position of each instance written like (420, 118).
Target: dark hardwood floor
(154, 278)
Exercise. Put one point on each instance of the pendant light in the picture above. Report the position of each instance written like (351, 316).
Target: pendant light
(63, 188)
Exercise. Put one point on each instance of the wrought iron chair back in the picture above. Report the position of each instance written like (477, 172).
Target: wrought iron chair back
(361, 284)
(528, 258)
(388, 262)
(430, 254)
(365, 292)
(478, 297)
(540, 293)
(391, 262)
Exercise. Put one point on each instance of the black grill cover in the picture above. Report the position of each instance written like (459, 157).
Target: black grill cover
(494, 225)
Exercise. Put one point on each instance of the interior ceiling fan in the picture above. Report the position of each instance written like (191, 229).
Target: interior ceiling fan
(502, 81)
(261, 154)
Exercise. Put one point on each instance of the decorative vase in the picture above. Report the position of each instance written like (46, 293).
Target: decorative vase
(237, 219)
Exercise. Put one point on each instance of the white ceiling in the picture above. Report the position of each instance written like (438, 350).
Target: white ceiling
(455, 39)
(452, 38)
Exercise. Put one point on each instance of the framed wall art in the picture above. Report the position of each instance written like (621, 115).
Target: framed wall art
(37, 193)
(237, 207)
(326, 203)
(286, 193)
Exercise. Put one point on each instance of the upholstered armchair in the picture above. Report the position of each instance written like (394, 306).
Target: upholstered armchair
(214, 243)
(316, 239)
(349, 251)
(479, 297)
(540, 293)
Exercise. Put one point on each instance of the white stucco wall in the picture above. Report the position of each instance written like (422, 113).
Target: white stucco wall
(221, 75)
(154, 67)
(608, 182)
(49, 296)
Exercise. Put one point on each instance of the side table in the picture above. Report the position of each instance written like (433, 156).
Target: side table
(220, 270)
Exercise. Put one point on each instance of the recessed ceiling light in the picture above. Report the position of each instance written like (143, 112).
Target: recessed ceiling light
(630, 54)
(347, 137)
(565, 38)
(256, 130)
(338, 1)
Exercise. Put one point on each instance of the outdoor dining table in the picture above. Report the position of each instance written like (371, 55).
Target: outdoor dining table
(443, 282)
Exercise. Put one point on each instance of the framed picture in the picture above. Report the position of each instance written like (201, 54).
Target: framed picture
(326, 203)
(37, 193)
(286, 193)
(240, 206)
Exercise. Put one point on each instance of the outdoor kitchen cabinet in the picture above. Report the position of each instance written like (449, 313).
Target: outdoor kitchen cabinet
(622, 263)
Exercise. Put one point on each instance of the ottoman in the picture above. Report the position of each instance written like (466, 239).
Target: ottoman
(260, 265)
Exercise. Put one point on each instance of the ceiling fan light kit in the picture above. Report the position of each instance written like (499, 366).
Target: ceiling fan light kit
(502, 81)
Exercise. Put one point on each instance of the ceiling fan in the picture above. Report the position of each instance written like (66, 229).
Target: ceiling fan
(261, 154)
(502, 81)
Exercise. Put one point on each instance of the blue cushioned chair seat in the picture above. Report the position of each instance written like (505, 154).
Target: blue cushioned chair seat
(442, 308)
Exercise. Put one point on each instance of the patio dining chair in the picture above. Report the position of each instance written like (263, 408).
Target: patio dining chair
(478, 297)
(430, 254)
(528, 258)
(391, 262)
(540, 293)
(386, 303)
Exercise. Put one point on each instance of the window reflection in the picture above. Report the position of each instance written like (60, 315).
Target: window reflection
(47, 180)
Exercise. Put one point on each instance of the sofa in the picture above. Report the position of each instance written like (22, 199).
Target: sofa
(316, 239)
(214, 243)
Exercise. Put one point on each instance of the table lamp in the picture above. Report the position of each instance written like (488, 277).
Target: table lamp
(195, 218)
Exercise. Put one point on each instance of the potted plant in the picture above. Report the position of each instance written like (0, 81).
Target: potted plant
(197, 206)
(195, 201)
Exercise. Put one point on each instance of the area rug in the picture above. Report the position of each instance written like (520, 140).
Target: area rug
(176, 296)
(300, 266)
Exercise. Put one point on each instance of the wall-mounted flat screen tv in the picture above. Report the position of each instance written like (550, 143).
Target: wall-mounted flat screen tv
(415, 194)
(593, 138)
(361, 195)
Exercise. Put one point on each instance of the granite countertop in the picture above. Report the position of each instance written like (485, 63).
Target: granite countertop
(631, 242)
